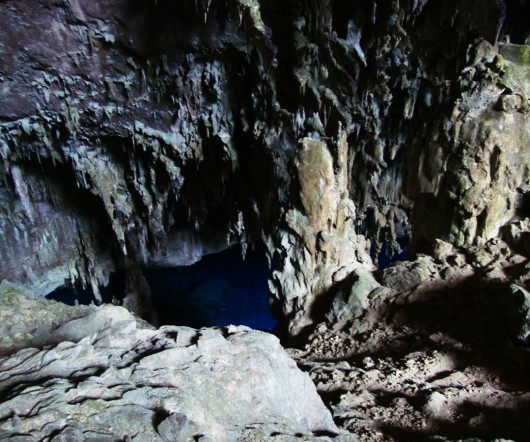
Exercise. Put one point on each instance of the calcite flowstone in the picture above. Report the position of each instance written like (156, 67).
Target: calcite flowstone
(121, 381)
(321, 247)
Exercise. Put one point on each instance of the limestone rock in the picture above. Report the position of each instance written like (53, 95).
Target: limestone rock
(523, 296)
(321, 247)
(153, 133)
(483, 162)
(441, 350)
(517, 234)
(172, 384)
(91, 324)
(28, 322)
(174, 428)
(352, 304)
(403, 276)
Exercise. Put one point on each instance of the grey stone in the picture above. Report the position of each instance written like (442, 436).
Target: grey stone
(69, 434)
(174, 428)
(88, 325)
(523, 299)
(116, 382)
(352, 301)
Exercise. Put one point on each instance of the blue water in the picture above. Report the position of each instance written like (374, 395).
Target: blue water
(221, 289)
(384, 258)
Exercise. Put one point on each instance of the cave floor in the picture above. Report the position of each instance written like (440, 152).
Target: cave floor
(424, 387)
(438, 352)
(439, 361)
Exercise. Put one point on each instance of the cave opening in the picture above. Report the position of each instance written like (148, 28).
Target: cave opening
(75, 294)
(389, 254)
(221, 289)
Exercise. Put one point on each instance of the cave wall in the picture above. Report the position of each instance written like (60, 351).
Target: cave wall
(126, 107)
(150, 133)
(474, 167)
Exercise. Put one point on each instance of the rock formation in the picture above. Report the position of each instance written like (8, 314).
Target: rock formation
(110, 378)
(126, 142)
(434, 347)
(150, 133)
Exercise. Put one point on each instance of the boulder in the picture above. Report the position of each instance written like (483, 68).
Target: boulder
(119, 380)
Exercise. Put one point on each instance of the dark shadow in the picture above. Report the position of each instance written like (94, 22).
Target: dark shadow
(221, 289)
(479, 319)
(482, 314)
(166, 26)
(77, 294)
(491, 423)
(159, 415)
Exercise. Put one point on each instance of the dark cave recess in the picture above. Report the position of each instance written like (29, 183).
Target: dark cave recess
(84, 296)
(387, 255)
(219, 290)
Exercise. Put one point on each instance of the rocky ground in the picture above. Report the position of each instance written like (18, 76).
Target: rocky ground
(112, 379)
(430, 349)
(437, 354)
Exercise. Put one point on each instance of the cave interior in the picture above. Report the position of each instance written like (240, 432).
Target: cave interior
(254, 220)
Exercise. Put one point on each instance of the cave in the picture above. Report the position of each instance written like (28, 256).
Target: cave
(78, 295)
(221, 289)
(224, 288)
(235, 220)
